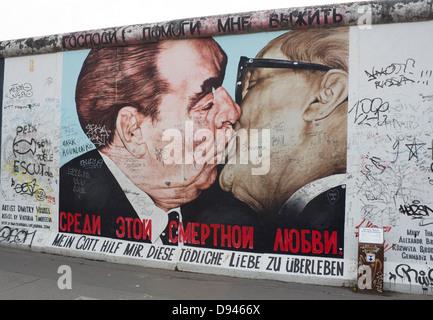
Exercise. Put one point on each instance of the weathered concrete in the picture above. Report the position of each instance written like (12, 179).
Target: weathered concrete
(31, 275)
(349, 14)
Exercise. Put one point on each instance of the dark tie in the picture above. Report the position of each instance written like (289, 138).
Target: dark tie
(172, 216)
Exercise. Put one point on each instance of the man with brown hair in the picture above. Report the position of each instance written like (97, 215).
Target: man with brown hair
(127, 98)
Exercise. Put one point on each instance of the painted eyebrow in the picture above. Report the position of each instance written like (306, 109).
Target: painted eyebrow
(206, 88)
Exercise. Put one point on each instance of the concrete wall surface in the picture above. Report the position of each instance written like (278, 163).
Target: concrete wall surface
(253, 145)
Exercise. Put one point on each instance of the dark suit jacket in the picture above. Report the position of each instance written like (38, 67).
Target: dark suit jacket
(214, 206)
(88, 187)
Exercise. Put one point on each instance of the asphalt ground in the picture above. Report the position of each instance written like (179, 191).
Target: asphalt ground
(28, 275)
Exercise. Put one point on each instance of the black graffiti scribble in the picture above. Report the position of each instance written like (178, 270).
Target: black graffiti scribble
(416, 210)
(13, 235)
(23, 146)
(393, 82)
(394, 68)
(376, 163)
(407, 273)
(414, 148)
(30, 188)
(395, 74)
(19, 91)
(370, 112)
(159, 153)
(431, 149)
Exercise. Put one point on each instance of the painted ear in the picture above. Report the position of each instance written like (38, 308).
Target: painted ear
(128, 128)
(331, 93)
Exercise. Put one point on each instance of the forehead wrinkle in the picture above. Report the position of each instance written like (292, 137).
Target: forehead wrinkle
(176, 61)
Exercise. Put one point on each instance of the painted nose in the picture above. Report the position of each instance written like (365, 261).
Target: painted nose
(229, 111)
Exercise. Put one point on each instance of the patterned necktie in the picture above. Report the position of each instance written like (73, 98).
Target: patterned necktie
(172, 216)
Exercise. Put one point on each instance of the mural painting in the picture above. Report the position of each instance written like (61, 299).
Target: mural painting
(253, 155)
(171, 141)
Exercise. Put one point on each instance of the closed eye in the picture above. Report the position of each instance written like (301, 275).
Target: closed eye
(210, 106)
(205, 104)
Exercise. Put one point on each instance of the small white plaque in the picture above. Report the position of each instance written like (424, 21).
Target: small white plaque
(371, 235)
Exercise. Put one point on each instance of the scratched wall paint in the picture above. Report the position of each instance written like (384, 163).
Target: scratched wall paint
(57, 189)
(344, 14)
(390, 147)
(30, 145)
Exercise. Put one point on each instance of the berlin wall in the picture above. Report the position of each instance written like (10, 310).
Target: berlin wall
(250, 145)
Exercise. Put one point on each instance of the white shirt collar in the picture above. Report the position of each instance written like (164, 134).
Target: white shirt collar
(141, 201)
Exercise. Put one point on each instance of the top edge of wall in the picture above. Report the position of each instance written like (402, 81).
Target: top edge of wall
(323, 16)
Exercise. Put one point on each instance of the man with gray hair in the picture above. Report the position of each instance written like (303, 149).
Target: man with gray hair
(296, 86)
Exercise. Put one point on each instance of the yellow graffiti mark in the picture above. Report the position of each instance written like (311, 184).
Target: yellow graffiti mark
(28, 185)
